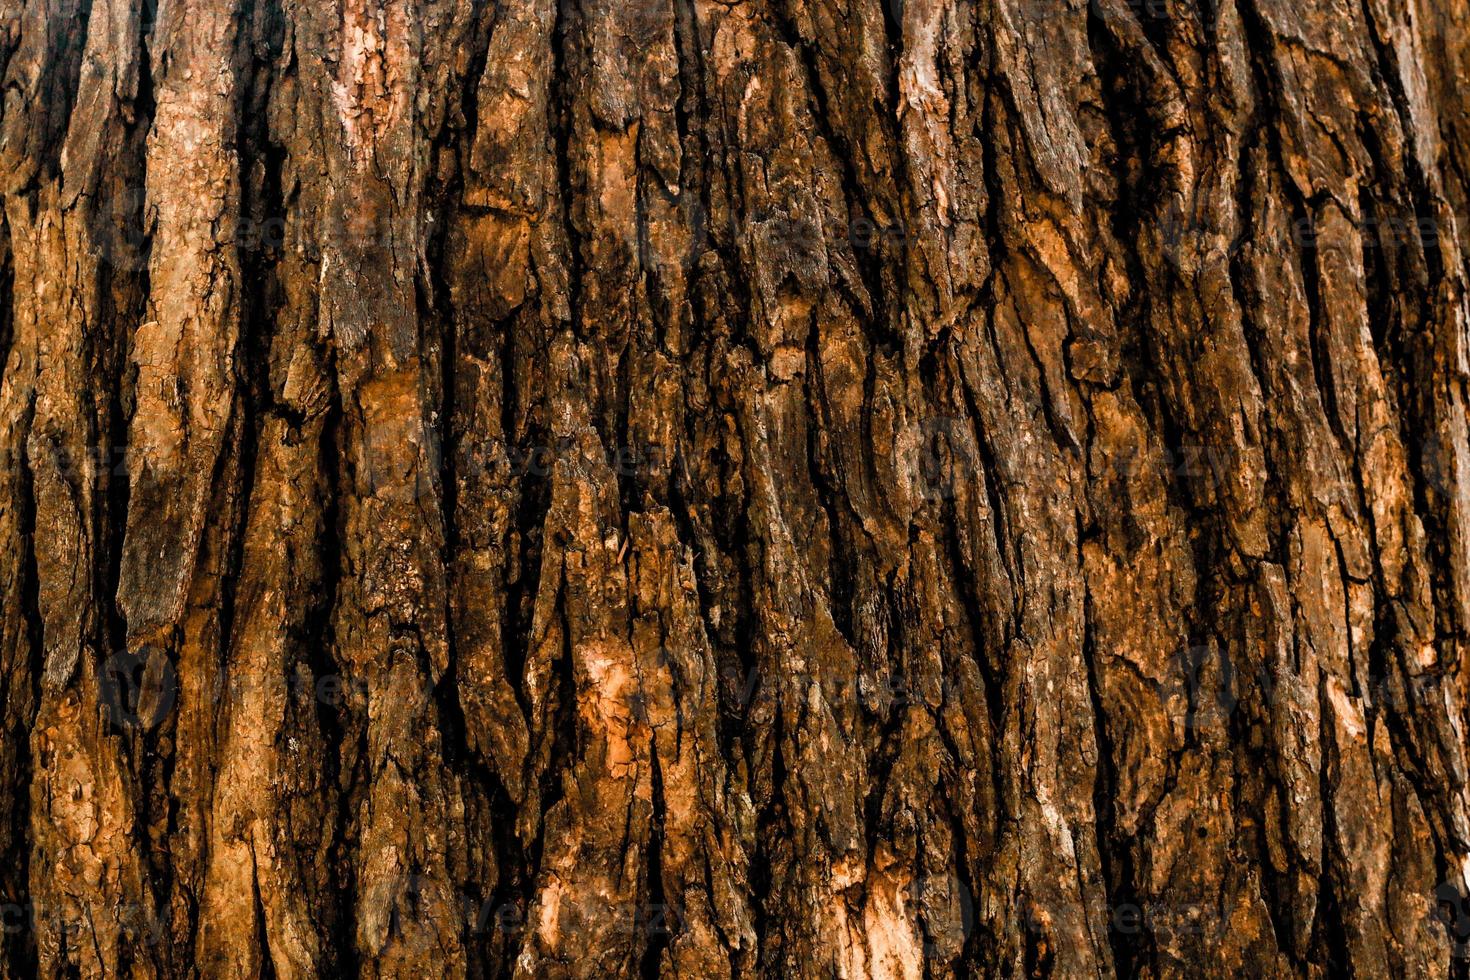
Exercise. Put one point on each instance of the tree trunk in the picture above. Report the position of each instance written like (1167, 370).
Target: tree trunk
(734, 488)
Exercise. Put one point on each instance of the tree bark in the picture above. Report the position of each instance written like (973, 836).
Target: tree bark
(733, 488)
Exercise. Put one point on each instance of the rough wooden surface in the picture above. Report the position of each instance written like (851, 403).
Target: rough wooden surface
(733, 488)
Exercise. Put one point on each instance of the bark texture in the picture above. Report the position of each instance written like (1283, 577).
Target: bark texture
(734, 488)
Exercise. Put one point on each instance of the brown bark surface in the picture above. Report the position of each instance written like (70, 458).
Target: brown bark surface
(734, 488)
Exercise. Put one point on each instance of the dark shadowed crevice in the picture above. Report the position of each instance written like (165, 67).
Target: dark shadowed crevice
(1115, 852)
(657, 920)
(1330, 940)
(19, 948)
(43, 116)
(342, 759)
(567, 30)
(7, 293)
(879, 311)
(840, 587)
